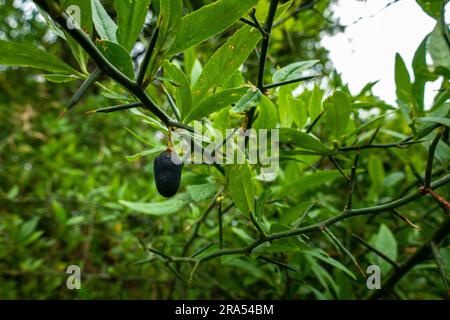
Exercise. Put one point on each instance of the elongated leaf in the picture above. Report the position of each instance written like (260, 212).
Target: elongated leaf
(249, 100)
(60, 78)
(402, 79)
(439, 50)
(103, 23)
(293, 70)
(215, 103)
(321, 255)
(310, 182)
(440, 120)
(267, 117)
(200, 192)
(182, 89)
(169, 21)
(384, 241)
(22, 55)
(241, 188)
(337, 113)
(432, 7)
(118, 56)
(225, 61)
(156, 208)
(130, 19)
(302, 140)
(209, 21)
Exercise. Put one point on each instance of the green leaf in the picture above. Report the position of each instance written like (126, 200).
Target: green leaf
(283, 107)
(156, 208)
(376, 174)
(267, 117)
(309, 182)
(170, 14)
(225, 61)
(86, 24)
(105, 26)
(241, 187)
(60, 78)
(244, 265)
(293, 70)
(250, 100)
(337, 113)
(402, 79)
(291, 110)
(22, 55)
(215, 103)
(200, 192)
(384, 241)
(208, 21)
(432, 7)
(440, 120)
(117, 56)
(321, 255)
(315, 102)
(439, 50)
(130, 19)
(302, 140)
(145, 153)
(183, 95)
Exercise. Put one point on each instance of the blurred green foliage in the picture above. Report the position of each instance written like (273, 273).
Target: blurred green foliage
(64, 181)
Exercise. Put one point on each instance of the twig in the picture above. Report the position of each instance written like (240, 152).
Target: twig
(318, 226)
(338, 167)
(376, 251)
(429, 167)
(405, 219)
(147, 57)
(263, 57)
(400, 144)
(440, 265)
(313, 124)
(352, 182)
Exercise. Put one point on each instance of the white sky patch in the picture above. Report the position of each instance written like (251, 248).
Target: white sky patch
(365, 52)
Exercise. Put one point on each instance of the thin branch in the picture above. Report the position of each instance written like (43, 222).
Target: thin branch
(85, 42)
(172, 104)
(338, 167)
(376, 251)
(304, 215)
(429, 167)
(249, 22)
(148, 54)
(318, 226)
(406, 220)
(199, 222)
(400, 144)
(440, 265)
(252, 14)
(263, 57)
(313, 124)
(220, 215)
(352, 182)
(278, 263)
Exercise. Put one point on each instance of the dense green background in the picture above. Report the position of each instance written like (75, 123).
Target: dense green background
(62, 179)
